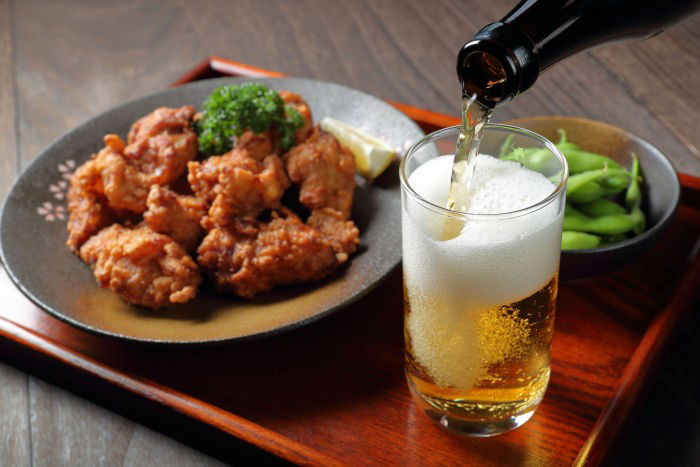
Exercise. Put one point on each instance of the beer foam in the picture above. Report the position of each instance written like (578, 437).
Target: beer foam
(491, 263)
(498, 186)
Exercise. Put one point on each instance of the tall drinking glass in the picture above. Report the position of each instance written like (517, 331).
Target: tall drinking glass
(480, 287)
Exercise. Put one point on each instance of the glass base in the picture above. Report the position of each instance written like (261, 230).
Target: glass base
(474, 428)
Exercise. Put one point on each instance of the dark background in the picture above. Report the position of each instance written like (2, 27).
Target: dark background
(62, 62)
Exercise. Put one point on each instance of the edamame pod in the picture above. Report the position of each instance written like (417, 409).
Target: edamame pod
(537, 159)
(608, 225)
(586, 193)
(601, 207)
(578, 240)
(505, 147)
(576, 181)
(633, 197)
(614, 184)
(581, 161)
(639, 220)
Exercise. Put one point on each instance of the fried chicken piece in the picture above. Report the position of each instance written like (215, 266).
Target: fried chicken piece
(343, 235)
(297, 102)
(161, 120)
(177, 216)
(123, 185)
(238, 184)
(162, 143)
(144, 267)
(249, 257)
(254, 146)
(89, 212)
(87, 204)
(326, 171)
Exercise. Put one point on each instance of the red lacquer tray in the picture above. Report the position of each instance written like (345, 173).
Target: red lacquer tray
(334, 392)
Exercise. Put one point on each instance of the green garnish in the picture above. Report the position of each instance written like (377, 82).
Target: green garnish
(230, 110)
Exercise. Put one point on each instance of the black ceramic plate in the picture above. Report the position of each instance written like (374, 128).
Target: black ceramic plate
(33, 232)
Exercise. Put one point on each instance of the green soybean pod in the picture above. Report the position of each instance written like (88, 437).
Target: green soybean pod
(607, 225)
(537, 159)
(633, 197)
(578, 240)
(563, 143)
(586, 193)
(616, 181)
(581, 161)
(639, 219)
(576, 181)
(505, 147)
(601, 207)
(614, 184)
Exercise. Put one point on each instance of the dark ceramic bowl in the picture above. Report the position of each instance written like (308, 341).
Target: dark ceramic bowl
(660, 189)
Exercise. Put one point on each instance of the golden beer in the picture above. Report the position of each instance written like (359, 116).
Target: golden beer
(510, 374)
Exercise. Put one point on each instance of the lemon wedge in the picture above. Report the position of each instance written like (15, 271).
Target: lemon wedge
(372, 156)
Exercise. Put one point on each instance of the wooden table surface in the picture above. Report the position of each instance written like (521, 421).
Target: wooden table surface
(62, 62)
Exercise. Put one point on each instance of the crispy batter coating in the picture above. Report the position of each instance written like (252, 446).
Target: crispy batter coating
(177, 216)
(162, 143)
(161, 120)
(295, 100)
(87, 204)
(249, 257)
(89, 212)
(326, 172)
(255, 145)
(343, 235)
(144, 267)
(239, 183)
(123, 185)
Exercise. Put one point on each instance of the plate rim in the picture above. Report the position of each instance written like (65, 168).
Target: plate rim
(349, 300)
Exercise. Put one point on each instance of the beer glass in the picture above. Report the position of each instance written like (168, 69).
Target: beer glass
(479, 301)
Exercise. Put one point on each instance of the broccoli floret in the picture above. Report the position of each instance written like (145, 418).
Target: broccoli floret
(230, 110)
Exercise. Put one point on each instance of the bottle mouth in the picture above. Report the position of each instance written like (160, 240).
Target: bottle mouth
(486, 77)
(497, 64)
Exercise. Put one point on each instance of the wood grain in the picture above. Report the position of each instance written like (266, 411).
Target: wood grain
(8, 152)
(74, 60)
(15, 444)
(668, 61)
(67, 430)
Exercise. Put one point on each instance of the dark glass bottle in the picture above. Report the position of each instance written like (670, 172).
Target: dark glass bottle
(505, 58)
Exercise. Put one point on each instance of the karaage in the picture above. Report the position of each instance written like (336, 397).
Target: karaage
(325, 170)
(87, 204)
(88, 215)
(249, 257)
(123, 185)
(162, 143)
(144, 267)
(238, 184)
(343, 235)
(177, 216)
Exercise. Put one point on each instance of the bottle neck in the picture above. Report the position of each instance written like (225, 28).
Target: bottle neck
(505, 58)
